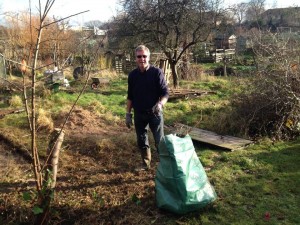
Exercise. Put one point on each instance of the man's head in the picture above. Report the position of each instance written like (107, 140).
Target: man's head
(142, 57)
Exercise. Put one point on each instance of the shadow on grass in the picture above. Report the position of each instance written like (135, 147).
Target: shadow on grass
(284, 159)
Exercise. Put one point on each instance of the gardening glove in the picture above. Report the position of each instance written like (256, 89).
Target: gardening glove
(157, 109)
(128, 120)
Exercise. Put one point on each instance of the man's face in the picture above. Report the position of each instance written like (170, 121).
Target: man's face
(142, 59)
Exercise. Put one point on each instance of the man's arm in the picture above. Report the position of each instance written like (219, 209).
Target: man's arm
(163, 100)
(129, 106)
(164, 91)
(128, 118)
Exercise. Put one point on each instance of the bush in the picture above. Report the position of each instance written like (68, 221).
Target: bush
(270, 108)
(270, 104)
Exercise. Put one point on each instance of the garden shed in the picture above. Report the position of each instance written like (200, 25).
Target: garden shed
(224, 41)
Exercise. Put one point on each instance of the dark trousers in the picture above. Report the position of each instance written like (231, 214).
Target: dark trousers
(145, 120)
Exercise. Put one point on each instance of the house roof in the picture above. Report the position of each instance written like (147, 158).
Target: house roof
(281, 11)
(282, 16)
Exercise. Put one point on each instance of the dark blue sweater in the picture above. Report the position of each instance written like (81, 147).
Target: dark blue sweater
(145, 89)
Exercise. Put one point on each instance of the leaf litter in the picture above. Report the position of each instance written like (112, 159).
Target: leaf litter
(95, 185)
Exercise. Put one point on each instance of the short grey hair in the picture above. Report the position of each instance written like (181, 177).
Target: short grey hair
(142, 48)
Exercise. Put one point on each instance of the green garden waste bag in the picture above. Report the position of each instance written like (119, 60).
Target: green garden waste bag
(181, 183)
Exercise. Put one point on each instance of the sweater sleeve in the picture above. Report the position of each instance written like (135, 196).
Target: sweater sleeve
(130, 88)
(164, 91)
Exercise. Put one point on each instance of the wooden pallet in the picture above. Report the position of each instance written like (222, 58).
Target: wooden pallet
(187, 93)
(224, 141)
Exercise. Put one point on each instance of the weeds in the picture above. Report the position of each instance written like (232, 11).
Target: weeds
(15, 101)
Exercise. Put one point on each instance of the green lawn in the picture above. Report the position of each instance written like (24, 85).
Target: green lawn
(251, 183)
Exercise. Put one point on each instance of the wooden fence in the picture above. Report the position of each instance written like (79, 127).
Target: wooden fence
(165, 66)
(124, 66)
(219, 54)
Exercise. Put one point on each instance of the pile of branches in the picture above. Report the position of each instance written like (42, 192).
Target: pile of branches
(270, 106)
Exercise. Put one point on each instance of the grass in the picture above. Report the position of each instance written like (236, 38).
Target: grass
(261, 179)
(256, 185)
(191, 111)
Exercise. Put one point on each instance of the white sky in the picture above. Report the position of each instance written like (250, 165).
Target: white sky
(101, 10)
(270, 3)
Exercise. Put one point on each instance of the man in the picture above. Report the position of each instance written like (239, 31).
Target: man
(147, 94)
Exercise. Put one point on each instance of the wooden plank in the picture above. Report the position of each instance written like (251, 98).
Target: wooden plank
(223, 141)
(184, 93)
(6, 112)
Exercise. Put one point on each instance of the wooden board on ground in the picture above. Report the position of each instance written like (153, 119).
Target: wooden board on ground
(224, 141)
(10, 111)
(186, 93)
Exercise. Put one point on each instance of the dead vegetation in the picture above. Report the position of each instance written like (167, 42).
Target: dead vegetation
(269, 105)
(96, 182)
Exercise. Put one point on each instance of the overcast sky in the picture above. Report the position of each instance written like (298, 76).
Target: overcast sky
(101, 10)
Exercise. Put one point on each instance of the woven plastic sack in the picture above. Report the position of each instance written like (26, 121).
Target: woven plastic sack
(181, 183)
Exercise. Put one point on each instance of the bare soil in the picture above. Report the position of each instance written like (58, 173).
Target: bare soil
(94, 185)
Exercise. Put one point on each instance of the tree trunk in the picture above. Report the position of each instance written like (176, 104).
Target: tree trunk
(56, 140)
(184, 68)
(174, 74)
(225, 66)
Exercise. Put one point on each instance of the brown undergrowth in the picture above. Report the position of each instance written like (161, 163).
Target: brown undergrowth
(96, 184)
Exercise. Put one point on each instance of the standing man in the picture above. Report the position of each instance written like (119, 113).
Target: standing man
(147, 94)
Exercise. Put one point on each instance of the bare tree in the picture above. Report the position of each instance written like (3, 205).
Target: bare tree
(255, 9)
(170, 26)
(42, 35)
(58, 42)
(270, 104)
(239, 11)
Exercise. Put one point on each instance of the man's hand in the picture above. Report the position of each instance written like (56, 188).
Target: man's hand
(128, 120)
(157, 109)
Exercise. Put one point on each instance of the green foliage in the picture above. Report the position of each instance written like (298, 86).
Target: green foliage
(37, 210)
(62, 99)
(205, 108)
(15, 120)
(245, 69)
(210, 110)
(136, 199)
(113, 102)
(98, 198)
(27, 196)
